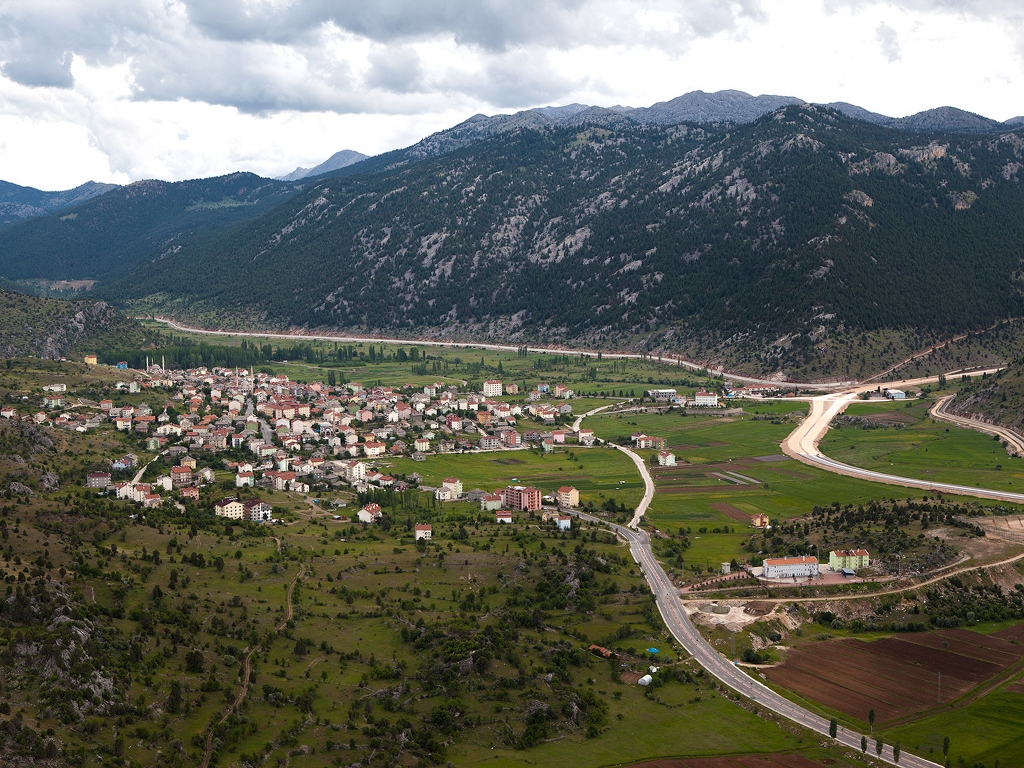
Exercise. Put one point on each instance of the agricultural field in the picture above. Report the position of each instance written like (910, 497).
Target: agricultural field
(396, 365)
(897, 677)
(902, 439)
(730, 469)
(600, 474)
(985, 732)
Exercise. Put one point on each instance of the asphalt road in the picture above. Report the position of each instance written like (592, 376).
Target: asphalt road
(802, 445)
(667, 359)
(687, 635)
(939, 412)
(673, 613)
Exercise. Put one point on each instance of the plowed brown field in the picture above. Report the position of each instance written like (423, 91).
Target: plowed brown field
(736, 761)
(895, 676)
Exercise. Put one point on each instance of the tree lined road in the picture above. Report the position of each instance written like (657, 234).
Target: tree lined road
(676, 360)
(686, 634)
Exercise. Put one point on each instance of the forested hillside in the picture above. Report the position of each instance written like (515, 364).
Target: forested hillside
(19, 203)
(52, 328)
(771, 238)
(106, 237)
(998, 398)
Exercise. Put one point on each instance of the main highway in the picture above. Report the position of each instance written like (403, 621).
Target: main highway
(802, 445)
(686, 634)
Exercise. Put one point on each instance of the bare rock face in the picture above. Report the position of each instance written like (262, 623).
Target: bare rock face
(20, 488)
(50, 481)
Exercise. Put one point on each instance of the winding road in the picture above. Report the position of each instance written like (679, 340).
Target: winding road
(686, 634)
(802, 445)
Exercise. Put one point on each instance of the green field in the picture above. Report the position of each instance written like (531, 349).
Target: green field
(595, 472)
(454, 364)
(983, 732)
(694, 495)
(922, 447)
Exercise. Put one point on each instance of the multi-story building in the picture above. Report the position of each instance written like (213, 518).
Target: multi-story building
(492, 388)
(230, 508)
(851, 559)
(522, 498)
(790, 567)
(568, 496)
(704, 398)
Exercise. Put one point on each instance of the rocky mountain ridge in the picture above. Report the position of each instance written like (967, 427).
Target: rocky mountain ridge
(764, 243)
(53, 328)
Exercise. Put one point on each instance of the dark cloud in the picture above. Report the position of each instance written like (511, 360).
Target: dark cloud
(45, 70)
(398, 70)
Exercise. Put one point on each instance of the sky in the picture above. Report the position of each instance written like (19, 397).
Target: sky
(117, 91)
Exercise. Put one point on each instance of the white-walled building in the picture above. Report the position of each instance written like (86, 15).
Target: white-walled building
(704, 398)
(666, 459)
(423, 531)
(492, 388)
(788, 567)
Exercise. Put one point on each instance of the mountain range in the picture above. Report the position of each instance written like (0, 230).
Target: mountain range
(769, 243)
(21, 203)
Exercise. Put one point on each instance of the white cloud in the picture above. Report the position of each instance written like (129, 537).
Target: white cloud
(889, 42)
(180, 88)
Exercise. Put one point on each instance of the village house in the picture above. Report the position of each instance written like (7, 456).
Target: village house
(666, 459)
(181, 476)
(790, 567)
(257, 511)
(641, 440)
(97, 480)
(706, 399)
(848, 559)
(503, 516)
(423, 532)
(564, 522)
(568, 496)
(369, 514)
(490, 502)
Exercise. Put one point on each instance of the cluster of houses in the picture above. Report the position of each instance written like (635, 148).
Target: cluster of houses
(503, 502)
(300, 436)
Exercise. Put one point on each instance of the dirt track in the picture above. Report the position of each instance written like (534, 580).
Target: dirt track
(247, 667)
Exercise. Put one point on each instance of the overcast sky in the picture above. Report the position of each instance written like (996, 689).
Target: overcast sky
(118, 91)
